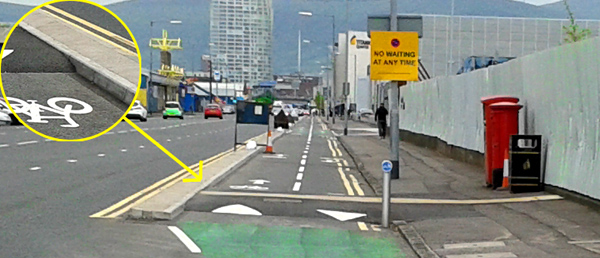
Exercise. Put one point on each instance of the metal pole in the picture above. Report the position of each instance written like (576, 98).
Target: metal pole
(328, 93)
(333, 67)
(393, 101)
(150, 75)
(299, 51)
(346, 92)
(210, 81)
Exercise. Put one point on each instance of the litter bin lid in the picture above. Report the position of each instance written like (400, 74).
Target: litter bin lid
(499, 98)
(505, 105)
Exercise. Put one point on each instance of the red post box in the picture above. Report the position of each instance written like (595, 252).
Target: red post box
(505, 122)
(487, 101)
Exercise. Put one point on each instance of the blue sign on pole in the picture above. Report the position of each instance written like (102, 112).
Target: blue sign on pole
(386, 166)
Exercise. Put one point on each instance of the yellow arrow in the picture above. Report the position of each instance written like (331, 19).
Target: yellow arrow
(197, 177)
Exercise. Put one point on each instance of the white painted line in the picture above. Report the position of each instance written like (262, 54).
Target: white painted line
(72, 161)
(141, 146)
(303, 162)
(308, 143)
(484, 255)
(110, 133)
(101, 155)
(145, 129)
(305, 152)
(132, 130)
(184, 124)
(170, 126)
(584, 242)
(168, 140)
(48, 140)
(474, 245)
(176, 125)
(4, 145)
(297, 186)
(124, 150)
(196, 134)
(163, 128)
(304, 156)
(185, 240)
(237, 209)
(25, 143)
(301, 169)
(122, 131)
(178, 138)
(35, 168)
(299, 176)
(362, 226)
(187, 136)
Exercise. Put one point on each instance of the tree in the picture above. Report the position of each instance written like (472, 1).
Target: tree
(319, 101)
(573, 32)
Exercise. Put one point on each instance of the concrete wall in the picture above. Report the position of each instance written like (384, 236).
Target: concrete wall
(560, 89)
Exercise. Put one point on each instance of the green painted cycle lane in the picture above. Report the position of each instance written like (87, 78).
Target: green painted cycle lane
(254, 241)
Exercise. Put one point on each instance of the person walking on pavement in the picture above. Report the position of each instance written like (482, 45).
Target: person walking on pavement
(380, 118)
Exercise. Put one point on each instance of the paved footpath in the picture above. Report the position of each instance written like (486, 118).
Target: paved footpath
(553, 228)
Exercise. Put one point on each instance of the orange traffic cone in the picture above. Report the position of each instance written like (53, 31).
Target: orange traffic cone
(505, 182)
(269, 148)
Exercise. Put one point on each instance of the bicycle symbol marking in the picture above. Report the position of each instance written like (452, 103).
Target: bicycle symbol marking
(32, 109)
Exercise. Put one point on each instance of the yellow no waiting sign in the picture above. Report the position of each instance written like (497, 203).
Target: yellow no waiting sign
(394, 56)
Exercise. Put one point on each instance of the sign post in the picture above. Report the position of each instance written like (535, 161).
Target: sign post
(395, 58)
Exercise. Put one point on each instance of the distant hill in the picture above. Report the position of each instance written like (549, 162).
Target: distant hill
(195, 15)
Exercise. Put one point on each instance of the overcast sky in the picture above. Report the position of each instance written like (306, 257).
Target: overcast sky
(104, 2)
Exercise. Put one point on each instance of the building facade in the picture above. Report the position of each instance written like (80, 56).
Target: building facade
(448, 40)
(241, 33)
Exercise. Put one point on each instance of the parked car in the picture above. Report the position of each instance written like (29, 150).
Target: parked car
(5, 110)
(213, 110)
(364, 112)
(173, 109)
(228, 110)
(5, 119)
(138, 111)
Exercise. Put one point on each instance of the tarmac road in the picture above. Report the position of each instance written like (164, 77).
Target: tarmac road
(50, 188)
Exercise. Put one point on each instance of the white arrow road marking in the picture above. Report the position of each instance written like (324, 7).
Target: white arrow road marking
(259, 181)
(185, 240)
(237, 209)
(6, 53)
(342, 216)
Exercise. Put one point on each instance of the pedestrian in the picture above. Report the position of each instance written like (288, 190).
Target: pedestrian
(380, 118)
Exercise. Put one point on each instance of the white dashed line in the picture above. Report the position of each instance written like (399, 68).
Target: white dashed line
(4, 145)
(72, 161)
(301, 169)
(141, 146)
(122, 132)
(101, 155)
(124, 150)
(163, 128)
(297, 186)
(187, 136)
(146, 129)
(305, 152)
(168, 140)
(178, 138)
(25, 143)
(132, 130)
(48, 140)
(110, 133)
(196, 134)
(299, 176)
(303, 162)
(35, 168)
(304, 156)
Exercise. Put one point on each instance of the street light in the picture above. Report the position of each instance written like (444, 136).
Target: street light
(210, 77)
(310, 14)
(175, 22)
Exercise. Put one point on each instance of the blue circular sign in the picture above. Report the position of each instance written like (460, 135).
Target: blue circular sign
(386, 166)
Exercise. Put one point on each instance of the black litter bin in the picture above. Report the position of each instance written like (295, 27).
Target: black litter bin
(525, 163)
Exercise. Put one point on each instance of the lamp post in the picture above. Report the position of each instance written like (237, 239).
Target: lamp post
(148, 91)
(332, 91)
(210, 77)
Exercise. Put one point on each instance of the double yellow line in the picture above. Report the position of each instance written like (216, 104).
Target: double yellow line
(107, 33)
(126, 204)
(340, 169)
